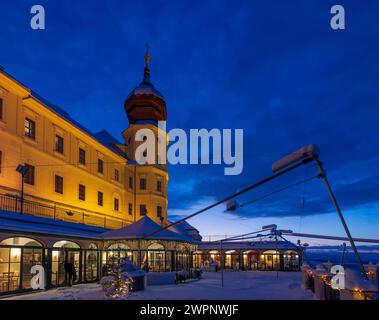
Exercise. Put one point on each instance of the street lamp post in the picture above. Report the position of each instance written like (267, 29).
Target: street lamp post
(23, 170)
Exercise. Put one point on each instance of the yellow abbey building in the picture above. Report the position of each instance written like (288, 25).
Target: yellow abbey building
(75, 175)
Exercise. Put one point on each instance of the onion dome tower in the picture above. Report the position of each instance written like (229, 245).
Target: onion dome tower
(145, 103)
(145, 106)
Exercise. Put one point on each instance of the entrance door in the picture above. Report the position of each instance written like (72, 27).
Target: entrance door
(59, 258)
(91, 265)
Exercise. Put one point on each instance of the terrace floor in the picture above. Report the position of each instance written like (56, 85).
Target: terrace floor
(244, 285)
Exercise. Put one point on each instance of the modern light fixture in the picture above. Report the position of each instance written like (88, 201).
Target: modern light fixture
(23, 170)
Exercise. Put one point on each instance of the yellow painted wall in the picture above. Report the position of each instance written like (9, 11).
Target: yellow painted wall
(17, 149)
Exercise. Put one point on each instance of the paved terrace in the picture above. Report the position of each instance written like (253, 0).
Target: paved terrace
(247, 285)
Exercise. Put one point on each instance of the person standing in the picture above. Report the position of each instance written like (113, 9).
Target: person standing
(70, 273)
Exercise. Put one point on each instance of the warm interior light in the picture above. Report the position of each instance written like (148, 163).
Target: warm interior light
(15, 253)
(55, 255)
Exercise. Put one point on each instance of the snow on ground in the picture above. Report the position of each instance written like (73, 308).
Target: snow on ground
(248, 285)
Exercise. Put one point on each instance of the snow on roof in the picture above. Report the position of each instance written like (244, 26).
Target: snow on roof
(142, 228)
(248, 245)
(10, 221)
(145, 88)
(59, 111)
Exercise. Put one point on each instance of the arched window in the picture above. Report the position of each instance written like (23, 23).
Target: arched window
(118, 246)
(21, 241)
(270, 260)
(156, 257)
(117, 251)
(291, 260)
(156, 246)
(66, 245)
(17, 256)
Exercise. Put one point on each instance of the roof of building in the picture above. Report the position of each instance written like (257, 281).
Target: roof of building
(12, 222)
(248, 245)
(142, 228)
(66, 116)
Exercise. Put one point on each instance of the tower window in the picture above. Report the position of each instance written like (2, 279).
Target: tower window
(142, 210)
(58, 184)
(30, 175)
(159, 186)
(130, 209)
(159, 211)
(100, 166)
(59, 144)
(116, 175)
(116, 204)
(100, 198)
(142, 184)
(82, 156)
(82, 192)
(30, 128)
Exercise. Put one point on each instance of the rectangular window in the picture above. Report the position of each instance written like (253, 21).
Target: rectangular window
(159, 186)
(1, 109)
(159, 211)
(142, 184)
(100, 166)
(82, 156)
(82, 192)
(58, 184)
(130, 209)
(131, 182)
(30, 175)
(30, 128)
(116, 175)
(116, 204)
(100, 198)
(1, 158)
(142, 210)
(59, 144)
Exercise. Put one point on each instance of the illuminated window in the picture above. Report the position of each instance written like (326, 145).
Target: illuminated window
(58, 184)
(116, 204)
(59, 144)
(30, 175)
(142, 184)
(82, 156)
(82, 192)
(100, 166)
(30, 128)
(130, 209)
(142, 210)
(100, 198)
(116, 175)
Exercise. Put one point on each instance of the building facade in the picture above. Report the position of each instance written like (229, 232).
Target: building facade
(73, 174)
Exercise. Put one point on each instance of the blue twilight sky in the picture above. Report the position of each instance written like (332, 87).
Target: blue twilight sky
(273, 68)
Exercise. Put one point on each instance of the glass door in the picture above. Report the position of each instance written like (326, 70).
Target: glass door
(30, 257)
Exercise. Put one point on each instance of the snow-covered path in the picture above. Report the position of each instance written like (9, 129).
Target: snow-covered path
(248, 285)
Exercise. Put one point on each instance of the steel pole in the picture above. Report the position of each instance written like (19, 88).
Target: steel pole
(338, 209)
(222, 265)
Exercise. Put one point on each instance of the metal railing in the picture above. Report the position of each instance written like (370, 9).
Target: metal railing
(12, 203)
